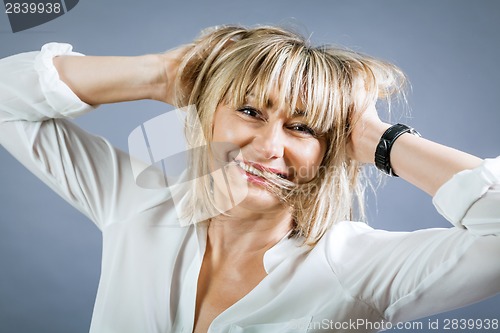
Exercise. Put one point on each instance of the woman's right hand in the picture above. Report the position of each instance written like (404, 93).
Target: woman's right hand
(170, 61)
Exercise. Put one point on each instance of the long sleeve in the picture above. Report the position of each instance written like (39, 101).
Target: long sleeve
(30, 88)
(84, 169)
(410, 275)
(471, 199)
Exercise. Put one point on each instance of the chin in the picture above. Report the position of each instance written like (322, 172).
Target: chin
(259, 198)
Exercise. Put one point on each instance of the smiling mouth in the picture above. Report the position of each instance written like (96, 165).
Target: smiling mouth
(259, 172)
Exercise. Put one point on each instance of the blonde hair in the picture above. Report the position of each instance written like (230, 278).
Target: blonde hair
(227, 63)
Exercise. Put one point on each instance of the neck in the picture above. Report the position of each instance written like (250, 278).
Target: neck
(247, 234)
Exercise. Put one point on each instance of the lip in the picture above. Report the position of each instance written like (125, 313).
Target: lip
(268, 169)
(253, 178)
(264, 168)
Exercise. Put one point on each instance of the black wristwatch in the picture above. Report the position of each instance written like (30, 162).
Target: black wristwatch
(383, 151)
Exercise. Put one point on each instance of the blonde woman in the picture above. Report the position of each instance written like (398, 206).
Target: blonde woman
(297, 122)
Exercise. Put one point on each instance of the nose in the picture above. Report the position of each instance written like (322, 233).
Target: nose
(270, 141)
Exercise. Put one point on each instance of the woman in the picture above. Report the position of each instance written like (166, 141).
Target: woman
(295, 123)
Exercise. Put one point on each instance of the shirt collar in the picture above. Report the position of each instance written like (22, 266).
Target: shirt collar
(201, 231)
(288, 247)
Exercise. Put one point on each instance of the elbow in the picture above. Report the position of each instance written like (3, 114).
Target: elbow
(483, 217)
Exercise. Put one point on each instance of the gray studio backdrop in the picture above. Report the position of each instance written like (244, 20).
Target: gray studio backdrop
(50, 254)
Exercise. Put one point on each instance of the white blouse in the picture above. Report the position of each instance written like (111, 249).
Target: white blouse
(355, 278)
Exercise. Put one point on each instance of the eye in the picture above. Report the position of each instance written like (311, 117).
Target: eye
(302, 129)
(250, 112)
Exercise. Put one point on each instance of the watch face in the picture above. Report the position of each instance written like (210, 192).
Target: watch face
(381, 161)
(382, 144)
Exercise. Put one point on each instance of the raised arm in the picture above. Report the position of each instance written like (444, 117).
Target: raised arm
(101, 80)
(425, 164)
(433, 270)
(86, 170)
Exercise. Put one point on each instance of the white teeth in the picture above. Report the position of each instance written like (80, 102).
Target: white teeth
(250, 169)
(254, 171)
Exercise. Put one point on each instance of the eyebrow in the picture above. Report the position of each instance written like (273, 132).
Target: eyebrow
(269, 103)
(296, 113)
(299, 113)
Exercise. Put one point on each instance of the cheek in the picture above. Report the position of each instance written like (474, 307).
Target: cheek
(226, 129)
(222, 131)
(224, 143)
(308, 161)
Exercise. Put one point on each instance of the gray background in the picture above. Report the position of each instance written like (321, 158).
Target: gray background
(50, 254)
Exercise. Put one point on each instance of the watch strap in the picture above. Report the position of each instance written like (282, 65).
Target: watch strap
(383, 151)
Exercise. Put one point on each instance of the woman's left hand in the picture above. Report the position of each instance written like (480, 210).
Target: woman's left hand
(366, 130)
(423, 163)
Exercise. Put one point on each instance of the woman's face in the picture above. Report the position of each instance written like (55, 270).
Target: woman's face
(263, 139)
